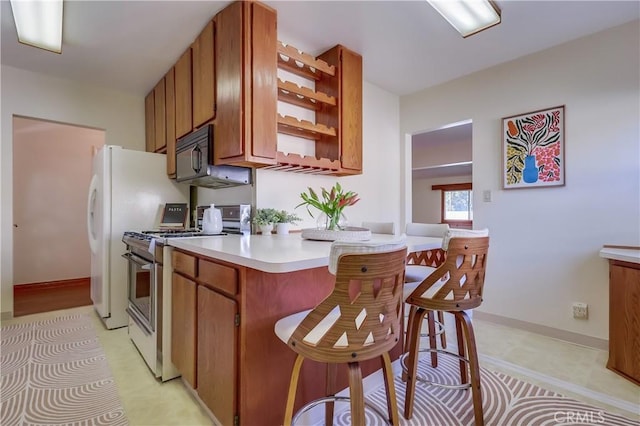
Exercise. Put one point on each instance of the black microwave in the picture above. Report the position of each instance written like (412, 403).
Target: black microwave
(194, 163)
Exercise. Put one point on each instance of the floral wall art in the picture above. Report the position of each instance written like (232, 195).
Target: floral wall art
(533, 149)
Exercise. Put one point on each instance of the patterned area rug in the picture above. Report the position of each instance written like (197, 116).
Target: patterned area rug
(55, 372)
(506, 401)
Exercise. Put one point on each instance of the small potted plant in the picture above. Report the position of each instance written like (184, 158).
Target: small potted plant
(285, 219)
(264, 219)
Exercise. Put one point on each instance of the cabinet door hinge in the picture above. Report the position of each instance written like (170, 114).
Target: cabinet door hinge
(236, 420)
(237, 320)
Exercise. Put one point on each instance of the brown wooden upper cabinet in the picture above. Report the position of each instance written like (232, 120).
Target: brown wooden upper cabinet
(203, 77)
(149, 123)
(160, 136)
(160, 123)
(346, 115)
(170, 120)
(245, 130)
(183, 97)
(229, 77)
(154, 119)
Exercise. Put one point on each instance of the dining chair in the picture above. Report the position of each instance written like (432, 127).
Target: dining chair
(380, 227)
(359, 320)
(454, 287)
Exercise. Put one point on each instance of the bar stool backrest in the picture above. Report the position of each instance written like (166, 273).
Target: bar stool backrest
(457, 284)
(380, 227)
(360, 319)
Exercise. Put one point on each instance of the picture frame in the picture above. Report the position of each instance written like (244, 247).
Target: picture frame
(533, 149)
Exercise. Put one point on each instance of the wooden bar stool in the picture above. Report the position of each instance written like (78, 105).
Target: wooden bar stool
(359, 320)
(453, 287)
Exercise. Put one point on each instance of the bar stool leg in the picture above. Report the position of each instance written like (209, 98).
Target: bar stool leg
(392, 401)
(293, 385)
(412, 361)
(332, 371)
(443, 335)
(412, 313)
(432, 338)
(356, 394)
(474, 367)
(464, 377)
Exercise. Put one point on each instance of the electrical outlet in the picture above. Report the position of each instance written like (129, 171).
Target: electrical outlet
(580, 310)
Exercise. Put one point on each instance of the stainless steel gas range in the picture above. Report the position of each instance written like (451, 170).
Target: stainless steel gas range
(149, 287)
(149, 295)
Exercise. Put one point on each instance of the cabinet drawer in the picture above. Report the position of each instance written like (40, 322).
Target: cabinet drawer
(216, 276)
(184, 263)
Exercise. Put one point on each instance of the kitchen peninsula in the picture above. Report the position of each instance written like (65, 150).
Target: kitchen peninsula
(227, 294)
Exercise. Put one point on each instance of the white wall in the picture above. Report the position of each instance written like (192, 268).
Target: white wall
(429, 153)
(39, 96)
(379, 185)
(545, 241)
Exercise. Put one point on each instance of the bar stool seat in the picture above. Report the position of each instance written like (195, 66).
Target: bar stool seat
(359, 320)
(417, 273)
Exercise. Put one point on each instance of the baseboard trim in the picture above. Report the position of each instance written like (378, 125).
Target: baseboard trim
(568, 386)
(52, 284)
(556, 333)
(4, 316)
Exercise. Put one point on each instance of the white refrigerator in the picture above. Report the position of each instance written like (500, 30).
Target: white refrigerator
(128, 192)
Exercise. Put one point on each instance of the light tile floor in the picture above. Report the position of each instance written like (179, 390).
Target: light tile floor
(569, 369)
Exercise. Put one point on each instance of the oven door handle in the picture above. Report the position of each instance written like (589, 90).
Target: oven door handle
(143, 263)
(135, 317)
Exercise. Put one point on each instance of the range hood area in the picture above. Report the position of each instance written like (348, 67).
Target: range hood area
(217, 177)
(194, 163)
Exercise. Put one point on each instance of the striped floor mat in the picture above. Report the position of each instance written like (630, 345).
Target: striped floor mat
(506, 401)
(55, 372)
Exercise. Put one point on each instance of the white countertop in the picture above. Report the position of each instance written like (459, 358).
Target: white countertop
(624, 254)
(279, 253)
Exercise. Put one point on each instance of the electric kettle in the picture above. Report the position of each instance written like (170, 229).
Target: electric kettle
(212, 221)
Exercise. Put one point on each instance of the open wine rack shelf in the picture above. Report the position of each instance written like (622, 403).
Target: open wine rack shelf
(305, 164)
(302, 96)
(326, 105)
(302, 64)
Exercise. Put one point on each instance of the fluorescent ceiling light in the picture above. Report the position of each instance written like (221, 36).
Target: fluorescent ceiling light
(39, 23)
(468, 16)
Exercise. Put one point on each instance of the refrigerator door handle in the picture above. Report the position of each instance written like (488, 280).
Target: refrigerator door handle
(91, 206)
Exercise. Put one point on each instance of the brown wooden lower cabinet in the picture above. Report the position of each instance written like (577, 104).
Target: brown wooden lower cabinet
(243, 369)
(183, 327)
(624, 319)
(217, 353)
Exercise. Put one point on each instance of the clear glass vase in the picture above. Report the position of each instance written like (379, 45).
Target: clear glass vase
(330, 223)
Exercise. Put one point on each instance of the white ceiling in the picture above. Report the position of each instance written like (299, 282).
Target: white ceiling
(406, 46)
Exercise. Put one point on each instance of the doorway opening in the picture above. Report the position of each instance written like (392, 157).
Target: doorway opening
(52, 165)
(441, 176)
